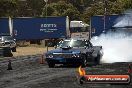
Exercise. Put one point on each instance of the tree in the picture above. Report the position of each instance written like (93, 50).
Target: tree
(116, 7)
(97, 8)
(127, 3)
(30, 8)
(8, 7)
(75, 9)
(61, 8)
(35, 6)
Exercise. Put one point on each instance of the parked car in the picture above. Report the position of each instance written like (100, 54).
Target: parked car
(8, 41)
(76, 52)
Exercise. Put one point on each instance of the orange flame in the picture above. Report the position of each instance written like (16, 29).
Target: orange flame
(81, 71)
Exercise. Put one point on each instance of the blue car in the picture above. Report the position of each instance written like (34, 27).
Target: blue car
(76, 52)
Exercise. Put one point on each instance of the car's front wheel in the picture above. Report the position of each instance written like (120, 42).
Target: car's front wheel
(51, 65)
(13, 49)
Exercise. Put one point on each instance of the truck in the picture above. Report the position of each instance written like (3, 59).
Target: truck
(79, 29)
(75, 52)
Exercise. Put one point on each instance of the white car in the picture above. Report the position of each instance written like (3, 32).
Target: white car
(8, 41)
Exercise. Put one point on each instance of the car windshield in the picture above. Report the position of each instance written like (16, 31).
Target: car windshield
(71, 43)
(7, 38)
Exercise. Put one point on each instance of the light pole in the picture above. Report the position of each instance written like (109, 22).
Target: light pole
(105, 10)
(46, 7)
(46, 18)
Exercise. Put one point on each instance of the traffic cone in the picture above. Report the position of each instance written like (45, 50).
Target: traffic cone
(42, 59)
(9, 65)
(129, 68)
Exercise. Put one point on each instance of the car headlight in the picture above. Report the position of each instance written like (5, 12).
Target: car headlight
(49, 56)
(76, 55)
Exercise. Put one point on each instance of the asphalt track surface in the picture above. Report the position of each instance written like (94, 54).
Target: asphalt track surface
(29, 73)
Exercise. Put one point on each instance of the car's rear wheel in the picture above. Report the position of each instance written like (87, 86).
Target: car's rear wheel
(84, 61)
(51, 65)
(97, 60)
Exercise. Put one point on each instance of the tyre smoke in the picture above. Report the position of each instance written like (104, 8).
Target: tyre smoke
(117, 46)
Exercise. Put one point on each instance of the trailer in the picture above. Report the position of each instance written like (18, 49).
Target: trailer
(4, 26)
(28, 28)
(98, 25)
(50, 29)
(40, 28)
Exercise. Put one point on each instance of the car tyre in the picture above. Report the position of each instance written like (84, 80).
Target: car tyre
(97, 60)
(51, 65)
(84, 62)
(13, 49)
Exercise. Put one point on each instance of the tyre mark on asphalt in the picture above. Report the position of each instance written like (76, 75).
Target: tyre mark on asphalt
(31, 71)
(41, 77)
(19, 59)
(27, 77)
(20, 68)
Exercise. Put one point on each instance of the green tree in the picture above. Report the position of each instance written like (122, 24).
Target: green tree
(35, 6)
(61, 8)
(97, 8)
(127, 3)
(8, 8)
(30, 8)
(116, 7)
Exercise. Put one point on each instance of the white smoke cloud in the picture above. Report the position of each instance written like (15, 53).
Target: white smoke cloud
(115, 47)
